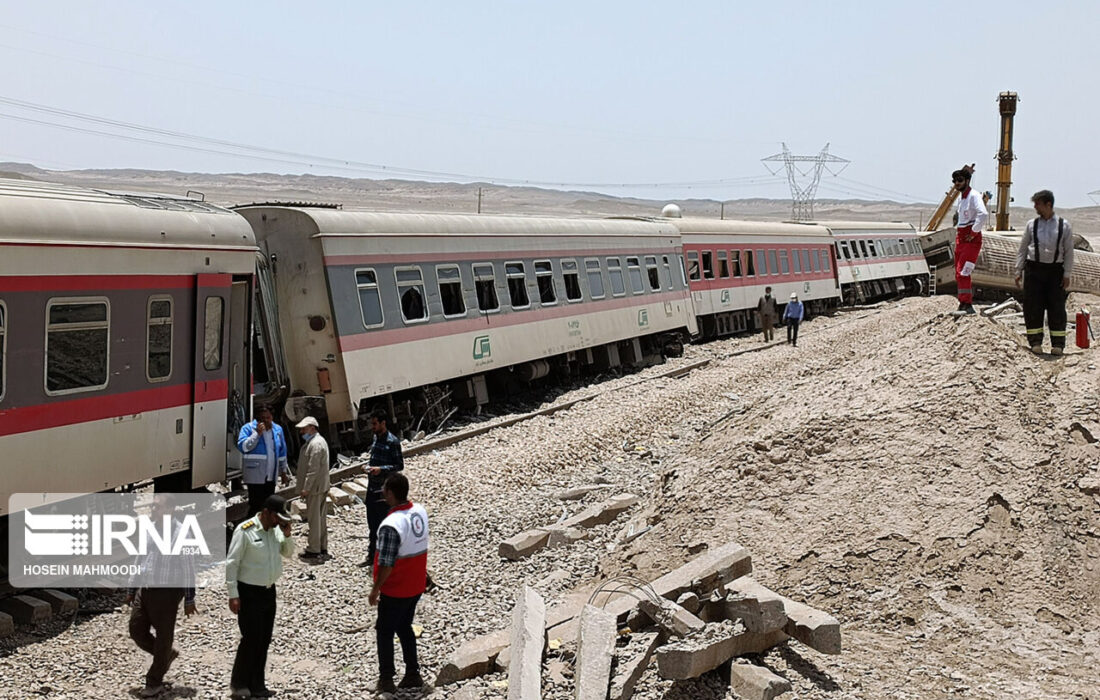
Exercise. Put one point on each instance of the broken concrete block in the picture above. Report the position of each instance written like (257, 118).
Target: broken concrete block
(756, 682)
(561, 535)
(524, 544)
(595, 646)
(26, 610)
(814, 628)
(363, 482)
(760, 609)
(339, 496)
(632, 661)
(689, 601)
(62, 603)
(634, 529)
(475, 657)
(527, 643)
(602, 513)
(671, 617)
(706, 572)
(1090, 486)
(297, 507)
(7, 625)
(577, 492)
(695, 655)
(354, 489)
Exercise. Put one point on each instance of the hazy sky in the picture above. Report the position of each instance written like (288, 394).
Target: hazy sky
(565, 92)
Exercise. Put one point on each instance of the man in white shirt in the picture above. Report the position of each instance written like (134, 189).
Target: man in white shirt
(968, 236)
(1045, 261)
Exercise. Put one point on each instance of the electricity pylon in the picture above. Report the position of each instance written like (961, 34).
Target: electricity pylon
(802, 196)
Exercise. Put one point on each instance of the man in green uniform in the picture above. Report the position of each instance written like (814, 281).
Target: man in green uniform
(252, 566)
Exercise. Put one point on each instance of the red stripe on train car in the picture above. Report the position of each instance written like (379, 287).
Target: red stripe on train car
(25, 419)
(380, 338)
(79, 283)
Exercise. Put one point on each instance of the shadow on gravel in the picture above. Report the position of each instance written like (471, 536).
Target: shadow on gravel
(807, 669)
(173, 692)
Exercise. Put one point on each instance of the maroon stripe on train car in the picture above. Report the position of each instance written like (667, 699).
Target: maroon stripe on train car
(380, 338)
(81, 283)
(25, 419)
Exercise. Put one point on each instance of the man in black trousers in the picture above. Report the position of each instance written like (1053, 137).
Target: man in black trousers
(1045, 261)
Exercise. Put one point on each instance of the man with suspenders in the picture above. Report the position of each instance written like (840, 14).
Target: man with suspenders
(1045, 261)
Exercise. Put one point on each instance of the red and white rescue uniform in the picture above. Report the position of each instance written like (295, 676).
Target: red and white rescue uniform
(968, 241)
(410, 572)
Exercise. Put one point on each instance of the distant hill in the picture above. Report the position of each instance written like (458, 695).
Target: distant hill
(409, 195)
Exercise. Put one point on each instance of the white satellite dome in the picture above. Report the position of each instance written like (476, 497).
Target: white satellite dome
(671, 211)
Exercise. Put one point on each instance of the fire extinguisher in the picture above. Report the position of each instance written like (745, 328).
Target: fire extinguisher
(1084, 330)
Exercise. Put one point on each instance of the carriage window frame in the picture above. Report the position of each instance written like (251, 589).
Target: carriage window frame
(545, 269)
(593, 267)
(150, 322)
(403, 285)
(652, 273)
(735, 264)
(694, 272)
(806, 269)
(667, 265)
(784, 262)
(477, 269)
(521, 275)
(359, 287)
(773, 263)
(723, 265)
(708, 264)
(825, 264)
(634, 274)
(796, 265)
(450, 281)
(3, 349)
(815, 255)
(615, 270)
(750, 263)
(61, 328)
(569, 268)
(213, 333)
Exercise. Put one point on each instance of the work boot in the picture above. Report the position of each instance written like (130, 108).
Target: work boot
(962, 306)
(411, 680)
(150, 691)
(968, 309)
(1037, 349)
(263, 693)
(1056, 351)
(384, 685)
(240, 693)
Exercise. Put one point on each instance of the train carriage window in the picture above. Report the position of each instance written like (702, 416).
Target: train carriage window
(773, 268)
(634, 271)
(572, 280)
(517, 285)
(683, 271)
(3, 346)
(212, 333)
(77, 336)
(805, 259)
(863, 249)
(485, 284)
(667, 266)
(750, 264)
(370, 302)
(843, 252)
(449, 279)
(817, 260)
(878, 250)
(158, 339)
(615, 275)
(708, 265)
(796, 267)
(901, 247)
(859, 249)
(825, 260)
(784, 263)
(595, 278)
(544, 276)
(410, 290)
(735, 263)
(693, 265)
(723, 264)
(652, 274)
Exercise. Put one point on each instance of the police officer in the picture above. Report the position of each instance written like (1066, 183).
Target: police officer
(385, 459)
(252, 566)
(1045, 261)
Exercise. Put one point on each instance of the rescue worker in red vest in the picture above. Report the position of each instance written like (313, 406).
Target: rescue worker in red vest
(1045, 261)
(400, 577)
(968, 236)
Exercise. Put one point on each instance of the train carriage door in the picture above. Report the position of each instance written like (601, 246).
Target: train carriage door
(211, 379)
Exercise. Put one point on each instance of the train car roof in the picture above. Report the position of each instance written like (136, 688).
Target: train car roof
(52, 213)
(694, 225)
(343, 222)
(866, 225)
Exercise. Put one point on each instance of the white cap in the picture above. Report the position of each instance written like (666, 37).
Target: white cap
(794, 295)
(308, 420)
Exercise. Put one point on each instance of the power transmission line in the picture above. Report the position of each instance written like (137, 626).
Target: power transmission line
(802, 195)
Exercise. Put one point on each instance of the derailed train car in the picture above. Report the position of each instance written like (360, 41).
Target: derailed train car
(877, 260)
(123, 339)
(995, 271)
(422, 312)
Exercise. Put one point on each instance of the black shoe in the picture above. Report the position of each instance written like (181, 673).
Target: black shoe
(325, 554)
(411, 680)
(969, 309)
(962, 306)
(263, 693)
(240, 693)
(384, 685)
(309, 556)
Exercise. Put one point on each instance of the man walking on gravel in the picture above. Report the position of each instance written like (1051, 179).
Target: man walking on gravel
(385, 459)
(154, 605)
(768, 312)
(968, 236)
(792, 315)
(1045, 261)
(313, 478)
(252, 566)
(400, 577)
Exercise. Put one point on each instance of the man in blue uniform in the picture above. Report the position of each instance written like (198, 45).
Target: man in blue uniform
(264, 446)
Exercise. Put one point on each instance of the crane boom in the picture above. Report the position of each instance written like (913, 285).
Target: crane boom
(1005, 157)
(949, 198)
